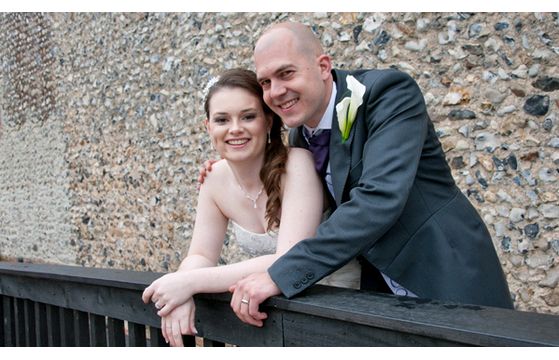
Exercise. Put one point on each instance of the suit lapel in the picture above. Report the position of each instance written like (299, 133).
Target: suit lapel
(340, 156)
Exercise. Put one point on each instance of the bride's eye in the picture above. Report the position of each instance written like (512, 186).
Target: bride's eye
(249, 117)
(219, 120)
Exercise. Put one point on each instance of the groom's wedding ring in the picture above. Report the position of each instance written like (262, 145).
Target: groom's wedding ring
(157, 306)
(244, 301)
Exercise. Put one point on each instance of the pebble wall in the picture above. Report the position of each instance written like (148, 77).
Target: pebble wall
(101, 130)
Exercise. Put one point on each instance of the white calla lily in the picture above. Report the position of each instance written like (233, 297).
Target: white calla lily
(357, 92)
(347, 108)
(342, 110)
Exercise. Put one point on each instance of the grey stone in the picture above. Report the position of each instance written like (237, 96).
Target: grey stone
(549, 211)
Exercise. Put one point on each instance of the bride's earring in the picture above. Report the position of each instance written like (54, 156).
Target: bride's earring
(212, 145)
(269, 138)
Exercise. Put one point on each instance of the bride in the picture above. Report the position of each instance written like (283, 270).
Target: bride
(271, 195)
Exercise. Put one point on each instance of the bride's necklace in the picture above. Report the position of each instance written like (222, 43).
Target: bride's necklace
(247, 195)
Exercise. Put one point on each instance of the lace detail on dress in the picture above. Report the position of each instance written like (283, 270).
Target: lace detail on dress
(255, 244)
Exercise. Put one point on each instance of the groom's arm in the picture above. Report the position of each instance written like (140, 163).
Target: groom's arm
(397, 126)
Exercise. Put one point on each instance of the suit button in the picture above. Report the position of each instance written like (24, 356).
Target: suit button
(304, 280)
(310, 276)
(297, 285)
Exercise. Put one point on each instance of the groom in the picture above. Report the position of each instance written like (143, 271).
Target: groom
(397, 207)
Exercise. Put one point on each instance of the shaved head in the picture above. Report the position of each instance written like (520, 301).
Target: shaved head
(298, 35)
(294, 72)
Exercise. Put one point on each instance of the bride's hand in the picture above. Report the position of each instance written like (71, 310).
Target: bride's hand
(168, 292)
(179, 322)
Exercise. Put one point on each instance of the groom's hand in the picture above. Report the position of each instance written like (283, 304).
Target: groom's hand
(205, 169)
(249, 293)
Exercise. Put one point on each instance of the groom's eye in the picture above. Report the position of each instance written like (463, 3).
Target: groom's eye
(287, 73)
(265, 84)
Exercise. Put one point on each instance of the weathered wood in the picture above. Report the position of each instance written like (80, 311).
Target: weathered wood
(68, 332)
(460, 323)
(156, 338)
(81, 324)
(9, 321)
(216, 321)
(41, 327)
(308, 330)
(116, 334)
(29, 323)
(320, 316)
(136, 334)
(19, 313)
(3, 320)
(54, 330)
(98, 330)
(109, 301)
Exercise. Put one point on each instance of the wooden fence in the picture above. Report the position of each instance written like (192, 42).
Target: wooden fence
(55, 305)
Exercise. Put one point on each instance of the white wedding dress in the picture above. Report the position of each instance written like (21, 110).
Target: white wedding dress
(254, 244)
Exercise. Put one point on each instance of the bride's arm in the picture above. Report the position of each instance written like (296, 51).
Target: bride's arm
(207, 240)
(302, 204)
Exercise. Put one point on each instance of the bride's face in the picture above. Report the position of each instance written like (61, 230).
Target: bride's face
(237, 126)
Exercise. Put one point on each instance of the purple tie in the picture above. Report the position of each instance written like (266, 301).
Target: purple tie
(318, 145)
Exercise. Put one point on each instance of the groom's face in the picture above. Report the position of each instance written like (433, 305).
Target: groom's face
(293, 80)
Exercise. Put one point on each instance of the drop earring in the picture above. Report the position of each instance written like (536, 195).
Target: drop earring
(269, 138)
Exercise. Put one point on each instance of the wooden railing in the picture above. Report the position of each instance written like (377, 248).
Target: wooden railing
(54, 305)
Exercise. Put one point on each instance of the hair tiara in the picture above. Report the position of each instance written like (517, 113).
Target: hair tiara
(209, 85)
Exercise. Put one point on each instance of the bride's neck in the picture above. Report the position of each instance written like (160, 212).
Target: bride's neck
(247, 173)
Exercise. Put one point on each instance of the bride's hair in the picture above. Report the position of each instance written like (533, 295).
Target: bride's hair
(275, 155)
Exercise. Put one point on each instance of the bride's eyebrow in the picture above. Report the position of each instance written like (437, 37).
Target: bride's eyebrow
(244, 111)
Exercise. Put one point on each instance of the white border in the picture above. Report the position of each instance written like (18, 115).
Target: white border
(280, 5)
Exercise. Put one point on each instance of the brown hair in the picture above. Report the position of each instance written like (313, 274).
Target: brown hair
(275, 154)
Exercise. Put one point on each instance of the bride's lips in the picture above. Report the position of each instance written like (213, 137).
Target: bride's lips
(237, 142)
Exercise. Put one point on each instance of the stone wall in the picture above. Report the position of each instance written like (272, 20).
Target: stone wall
(101, 127)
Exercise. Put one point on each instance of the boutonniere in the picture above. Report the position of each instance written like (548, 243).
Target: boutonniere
(347, 108)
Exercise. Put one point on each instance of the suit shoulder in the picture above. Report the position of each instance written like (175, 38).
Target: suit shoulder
(383, 76)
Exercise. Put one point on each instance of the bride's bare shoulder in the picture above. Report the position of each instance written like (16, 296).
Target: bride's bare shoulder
(218, 175)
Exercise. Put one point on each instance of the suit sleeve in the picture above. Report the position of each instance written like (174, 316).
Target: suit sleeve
(397, 124)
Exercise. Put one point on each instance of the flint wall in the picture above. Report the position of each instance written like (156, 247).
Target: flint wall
(101, 127)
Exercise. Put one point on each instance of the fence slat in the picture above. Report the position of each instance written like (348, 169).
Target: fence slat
(98, 330)
(136, 334)
(54, 330)
(3, 322)
(81, 324)
(9, 321)
(116, 332)
(41, 327)
(68, 332)
(29, 316)
(156, 338)
(19, 313)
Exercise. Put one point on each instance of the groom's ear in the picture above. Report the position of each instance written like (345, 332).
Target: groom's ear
(325, 63)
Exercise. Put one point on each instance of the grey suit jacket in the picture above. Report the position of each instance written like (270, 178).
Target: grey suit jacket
(397, 205)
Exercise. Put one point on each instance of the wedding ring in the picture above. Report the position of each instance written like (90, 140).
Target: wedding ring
(244, 301)
(157, 306)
